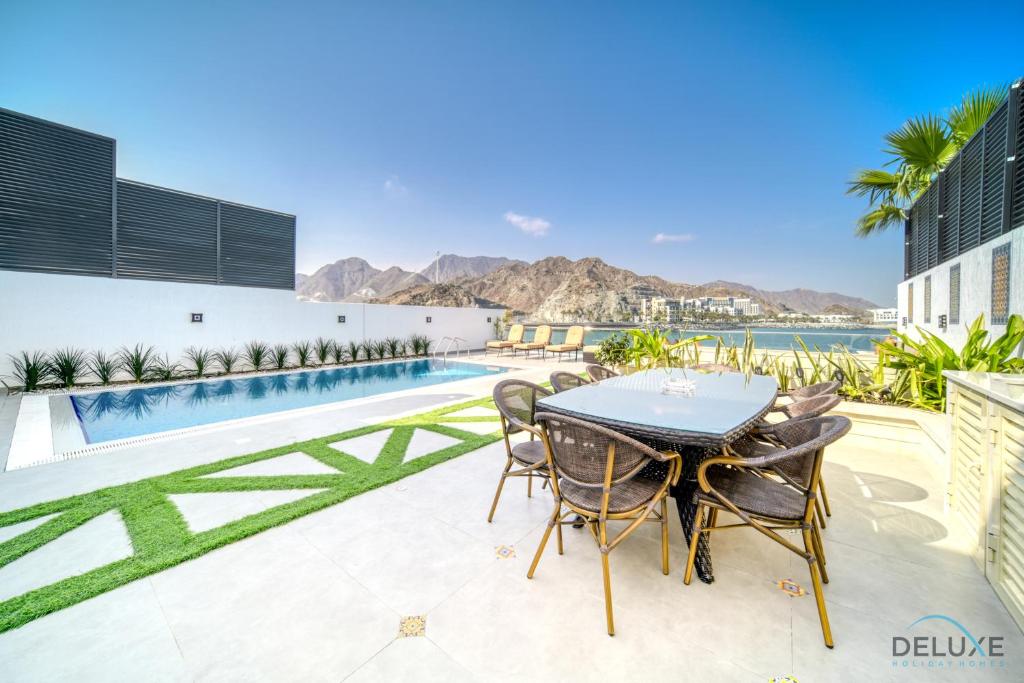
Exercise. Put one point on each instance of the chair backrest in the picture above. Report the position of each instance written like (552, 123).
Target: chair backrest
(516, 400)
(574, 335)
(542, 335)
(563, 381)
(812, 390)
(715, 367)
(599, 372)
(581, 451)
(803, 442)
(810, 407)
(515, 333)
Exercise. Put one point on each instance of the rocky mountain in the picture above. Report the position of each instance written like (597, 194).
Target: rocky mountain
(451, 267)
(444, 294)
(353, 279)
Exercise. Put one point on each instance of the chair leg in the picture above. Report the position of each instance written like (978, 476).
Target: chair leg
(824, 499)
(497, 494)
(561, 550)
(712, 518)
(529, 485)
(607, 571)
(817, 512)
(544, 540)
(819, 597)
(694, 538)
(664, 536)
(819, 552)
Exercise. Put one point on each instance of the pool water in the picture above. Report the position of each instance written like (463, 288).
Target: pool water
(109, 415)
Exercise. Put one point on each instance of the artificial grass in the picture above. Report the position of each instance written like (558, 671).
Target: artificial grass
(159, 534)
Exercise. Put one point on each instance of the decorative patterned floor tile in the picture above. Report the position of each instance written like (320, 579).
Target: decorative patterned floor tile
(412, 627)
(504, 552)
(366, 447)
(791, 587)
(282, 465)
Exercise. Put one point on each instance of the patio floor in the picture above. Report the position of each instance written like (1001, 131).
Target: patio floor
(411, 581)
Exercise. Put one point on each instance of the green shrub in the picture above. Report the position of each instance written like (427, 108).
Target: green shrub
(227, 359)
(339, 353)
(322, 349)
(30, 369)
(256, 354)
(137, 361)
(395, 346)
(67, 365)
(163, 370)
(279, 356)
(104, 367)
(303, 352)
(200, 358)
(354, 351)
(613, 350)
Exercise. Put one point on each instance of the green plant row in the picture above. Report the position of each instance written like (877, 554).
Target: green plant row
(159, 534)
(908, 371)
(68, 367)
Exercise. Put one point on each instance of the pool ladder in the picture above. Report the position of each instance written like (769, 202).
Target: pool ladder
(459, 343)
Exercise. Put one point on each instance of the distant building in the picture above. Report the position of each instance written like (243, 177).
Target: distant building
(661, 309)
(964, 236)
(835, 318)
(727, 305)
(884, 315)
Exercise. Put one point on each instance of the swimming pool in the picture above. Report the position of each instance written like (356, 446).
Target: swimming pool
(110, 415)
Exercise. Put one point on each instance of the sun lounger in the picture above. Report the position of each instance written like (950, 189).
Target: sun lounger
(515, 336)
(540, 339)
(572, 344)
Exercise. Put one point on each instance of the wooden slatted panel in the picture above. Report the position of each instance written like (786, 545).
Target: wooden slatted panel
(993, 170)
(56, 197)
(1010, 551)
(970, 193)
(165, 235)
(950, 236)
(968, 458)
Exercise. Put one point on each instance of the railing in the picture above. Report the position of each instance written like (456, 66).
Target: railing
(459, 343)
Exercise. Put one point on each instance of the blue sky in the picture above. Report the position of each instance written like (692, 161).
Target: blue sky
(394, 130)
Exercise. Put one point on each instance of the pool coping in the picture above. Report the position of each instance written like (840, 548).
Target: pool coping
(31, 424)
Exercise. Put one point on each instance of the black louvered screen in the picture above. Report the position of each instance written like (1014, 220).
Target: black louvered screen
(970, 193)
(949, 237)
(56, 197)
(913, 237)
(165, 235)
(933, 225)
(257, 247)
(992, 173)
(1016, 211)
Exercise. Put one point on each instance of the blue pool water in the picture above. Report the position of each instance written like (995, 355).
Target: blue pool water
(112, 415)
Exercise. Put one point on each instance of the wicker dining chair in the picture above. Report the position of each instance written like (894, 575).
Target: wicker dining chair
(516, 402)
(595, 477)
(734, 484)
(812, 390)
(563, 381)
(806, 409)
(599, 372)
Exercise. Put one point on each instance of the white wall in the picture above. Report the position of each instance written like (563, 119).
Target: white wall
(975, 290)
(42, 312)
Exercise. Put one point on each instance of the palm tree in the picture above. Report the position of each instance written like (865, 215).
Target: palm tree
(918, 150)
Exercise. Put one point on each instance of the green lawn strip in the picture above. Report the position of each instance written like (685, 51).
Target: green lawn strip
(159, 534)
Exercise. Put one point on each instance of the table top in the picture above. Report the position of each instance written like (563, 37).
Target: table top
(723, 408)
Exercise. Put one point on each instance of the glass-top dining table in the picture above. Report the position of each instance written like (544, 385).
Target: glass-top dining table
(717, 409)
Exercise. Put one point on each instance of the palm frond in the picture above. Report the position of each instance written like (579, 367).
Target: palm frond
(967, 118)
(880, 218)
(923, 144)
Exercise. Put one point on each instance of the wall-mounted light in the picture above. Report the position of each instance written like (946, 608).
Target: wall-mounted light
(942, 321)
(197, 317)
(488, 318)
(341, 318)
(429, 319)
(904, 321)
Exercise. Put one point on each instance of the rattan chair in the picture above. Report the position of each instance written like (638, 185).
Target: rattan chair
(599, 372)
(595, 477)
(516, 402)
(806, 409)
(563, 381)
(735, 484)
(812, 390)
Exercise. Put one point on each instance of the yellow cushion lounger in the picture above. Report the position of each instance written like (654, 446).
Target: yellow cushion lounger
(515, 336)
(572, 344)
(540, 339)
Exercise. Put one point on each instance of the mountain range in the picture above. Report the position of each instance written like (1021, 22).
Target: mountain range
(553, 289)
